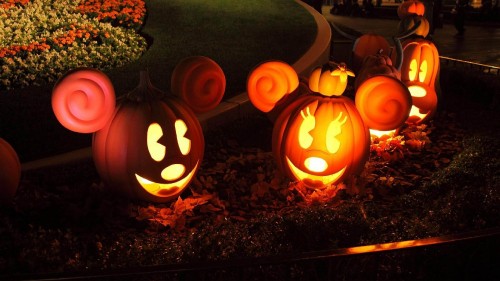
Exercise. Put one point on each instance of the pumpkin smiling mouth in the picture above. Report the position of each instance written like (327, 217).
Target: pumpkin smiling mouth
(299, 174)
(165, 189)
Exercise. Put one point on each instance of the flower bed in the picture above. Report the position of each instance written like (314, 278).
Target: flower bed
(41, 39)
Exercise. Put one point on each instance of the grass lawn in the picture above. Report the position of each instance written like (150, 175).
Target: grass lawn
(236, 34)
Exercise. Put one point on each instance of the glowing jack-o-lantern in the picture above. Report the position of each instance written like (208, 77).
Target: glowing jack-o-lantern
(419, 72)
(321, 137)
(410, 8)
(10, 172)
(152, 146)
(320, 140)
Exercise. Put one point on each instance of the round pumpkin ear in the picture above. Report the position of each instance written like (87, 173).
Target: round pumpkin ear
(383, 102)
(83, 100)
(269, 82)
(199, 82)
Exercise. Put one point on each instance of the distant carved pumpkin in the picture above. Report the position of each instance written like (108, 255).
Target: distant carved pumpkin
(419, 73)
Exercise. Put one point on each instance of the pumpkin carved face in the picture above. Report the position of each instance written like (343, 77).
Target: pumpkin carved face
(151, 145)
(419, 72)
(320, 140)
(167, 143)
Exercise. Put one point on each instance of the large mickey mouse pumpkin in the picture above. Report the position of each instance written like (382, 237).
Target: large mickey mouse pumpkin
(320, 137)
(152, 145)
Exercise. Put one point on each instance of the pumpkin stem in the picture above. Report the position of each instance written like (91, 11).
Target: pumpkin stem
(145, 90)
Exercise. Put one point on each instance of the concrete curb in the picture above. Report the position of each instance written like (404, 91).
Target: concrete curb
(231, 109)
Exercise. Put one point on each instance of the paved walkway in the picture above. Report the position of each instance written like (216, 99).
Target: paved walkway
(481, 44)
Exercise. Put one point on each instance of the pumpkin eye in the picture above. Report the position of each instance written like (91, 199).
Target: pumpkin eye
(307, 125)
(156, 149)
(412, 74)
(180, 131)
(334, 129)
(423, 71)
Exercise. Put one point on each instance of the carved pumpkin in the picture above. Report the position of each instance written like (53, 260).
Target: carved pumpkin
(419, 72)
(367, 45)
(320, 140)
(329, 80)
(152, 146)
(10, 172)
(410, 8)
(409, 22)
(374, 65)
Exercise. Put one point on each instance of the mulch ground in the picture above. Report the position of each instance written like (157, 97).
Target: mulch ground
(437, 179)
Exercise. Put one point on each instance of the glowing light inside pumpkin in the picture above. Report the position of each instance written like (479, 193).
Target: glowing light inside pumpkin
(165, 189)
(334, 129)
(379, 134)
(307, 125)
(180, 131)
(173, 172)
(325, 179)
(156, 150)
(412, 72)
(316, 164)
(423, 71)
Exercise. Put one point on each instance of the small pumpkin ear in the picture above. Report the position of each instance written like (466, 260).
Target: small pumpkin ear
(383, 102)
(269, 82)
(83, 100)
(199, 82)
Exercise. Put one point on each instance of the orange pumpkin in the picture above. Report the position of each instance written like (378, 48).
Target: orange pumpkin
(409, 8)
(152, 147)
(419, 73)
(10, 172)
(329, 79)
(409, 22)
(374, 65)
(367, 45)
(320, 140)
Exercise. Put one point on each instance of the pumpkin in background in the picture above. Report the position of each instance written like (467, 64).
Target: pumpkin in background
(373, 65)
(329, 79)
(152, 146)
(410, 8)
(10, 172)
(320, 140)
(409, 22)
(367, 45)
(419, 73)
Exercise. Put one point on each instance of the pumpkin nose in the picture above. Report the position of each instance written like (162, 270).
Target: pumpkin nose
(173, 172)
(315, 164)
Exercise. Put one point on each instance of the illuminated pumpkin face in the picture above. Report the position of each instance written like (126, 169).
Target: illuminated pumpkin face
(151, 149)
(419, 72)
(320, 140)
